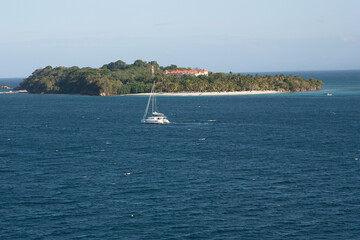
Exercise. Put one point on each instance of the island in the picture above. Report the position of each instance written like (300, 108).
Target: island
(118, 78)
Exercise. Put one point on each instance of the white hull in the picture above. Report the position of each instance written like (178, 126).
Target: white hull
(155, 120)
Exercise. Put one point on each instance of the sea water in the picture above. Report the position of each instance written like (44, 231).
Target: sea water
(280, 166)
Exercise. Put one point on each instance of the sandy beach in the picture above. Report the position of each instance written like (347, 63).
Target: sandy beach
(10, 92)
(209, 93)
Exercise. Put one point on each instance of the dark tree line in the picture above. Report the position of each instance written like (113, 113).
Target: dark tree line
(121, 78)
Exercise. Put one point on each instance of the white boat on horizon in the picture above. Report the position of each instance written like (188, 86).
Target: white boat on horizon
(155, 117)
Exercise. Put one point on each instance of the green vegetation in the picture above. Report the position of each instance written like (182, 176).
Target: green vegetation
(121, 78)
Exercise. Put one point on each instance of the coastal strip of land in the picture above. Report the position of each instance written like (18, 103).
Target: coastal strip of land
(119, 78)
(11, 92)
(208, 93)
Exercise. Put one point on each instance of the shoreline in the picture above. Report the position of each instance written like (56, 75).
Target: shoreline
(13, 92)
(174, 94)
(206, 93)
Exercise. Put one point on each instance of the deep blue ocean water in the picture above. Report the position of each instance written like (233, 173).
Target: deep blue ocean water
(283, 166)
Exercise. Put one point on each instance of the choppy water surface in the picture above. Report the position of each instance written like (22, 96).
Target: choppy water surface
(280, 166)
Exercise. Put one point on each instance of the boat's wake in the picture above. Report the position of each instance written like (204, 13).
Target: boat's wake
(193, 123)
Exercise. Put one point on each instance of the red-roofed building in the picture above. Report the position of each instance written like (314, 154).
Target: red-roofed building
(186, 72)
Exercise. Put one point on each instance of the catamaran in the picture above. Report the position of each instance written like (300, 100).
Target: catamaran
(156, 117)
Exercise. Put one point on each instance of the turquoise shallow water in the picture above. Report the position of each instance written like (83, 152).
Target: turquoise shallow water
(282, 166)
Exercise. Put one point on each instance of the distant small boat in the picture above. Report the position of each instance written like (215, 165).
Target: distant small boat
(156, 117)
(5, 87)
(328, 94)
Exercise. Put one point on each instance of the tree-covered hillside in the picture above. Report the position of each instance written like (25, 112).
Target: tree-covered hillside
(121, 78)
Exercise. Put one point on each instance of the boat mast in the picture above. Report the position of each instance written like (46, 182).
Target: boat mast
(151, 95)
(152, 102)
(148, 103)
(153, 107)
(154, 97)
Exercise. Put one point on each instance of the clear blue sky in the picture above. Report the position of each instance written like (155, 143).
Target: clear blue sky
(219, 35)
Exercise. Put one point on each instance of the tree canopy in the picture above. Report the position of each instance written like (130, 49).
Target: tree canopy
(121, 78)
